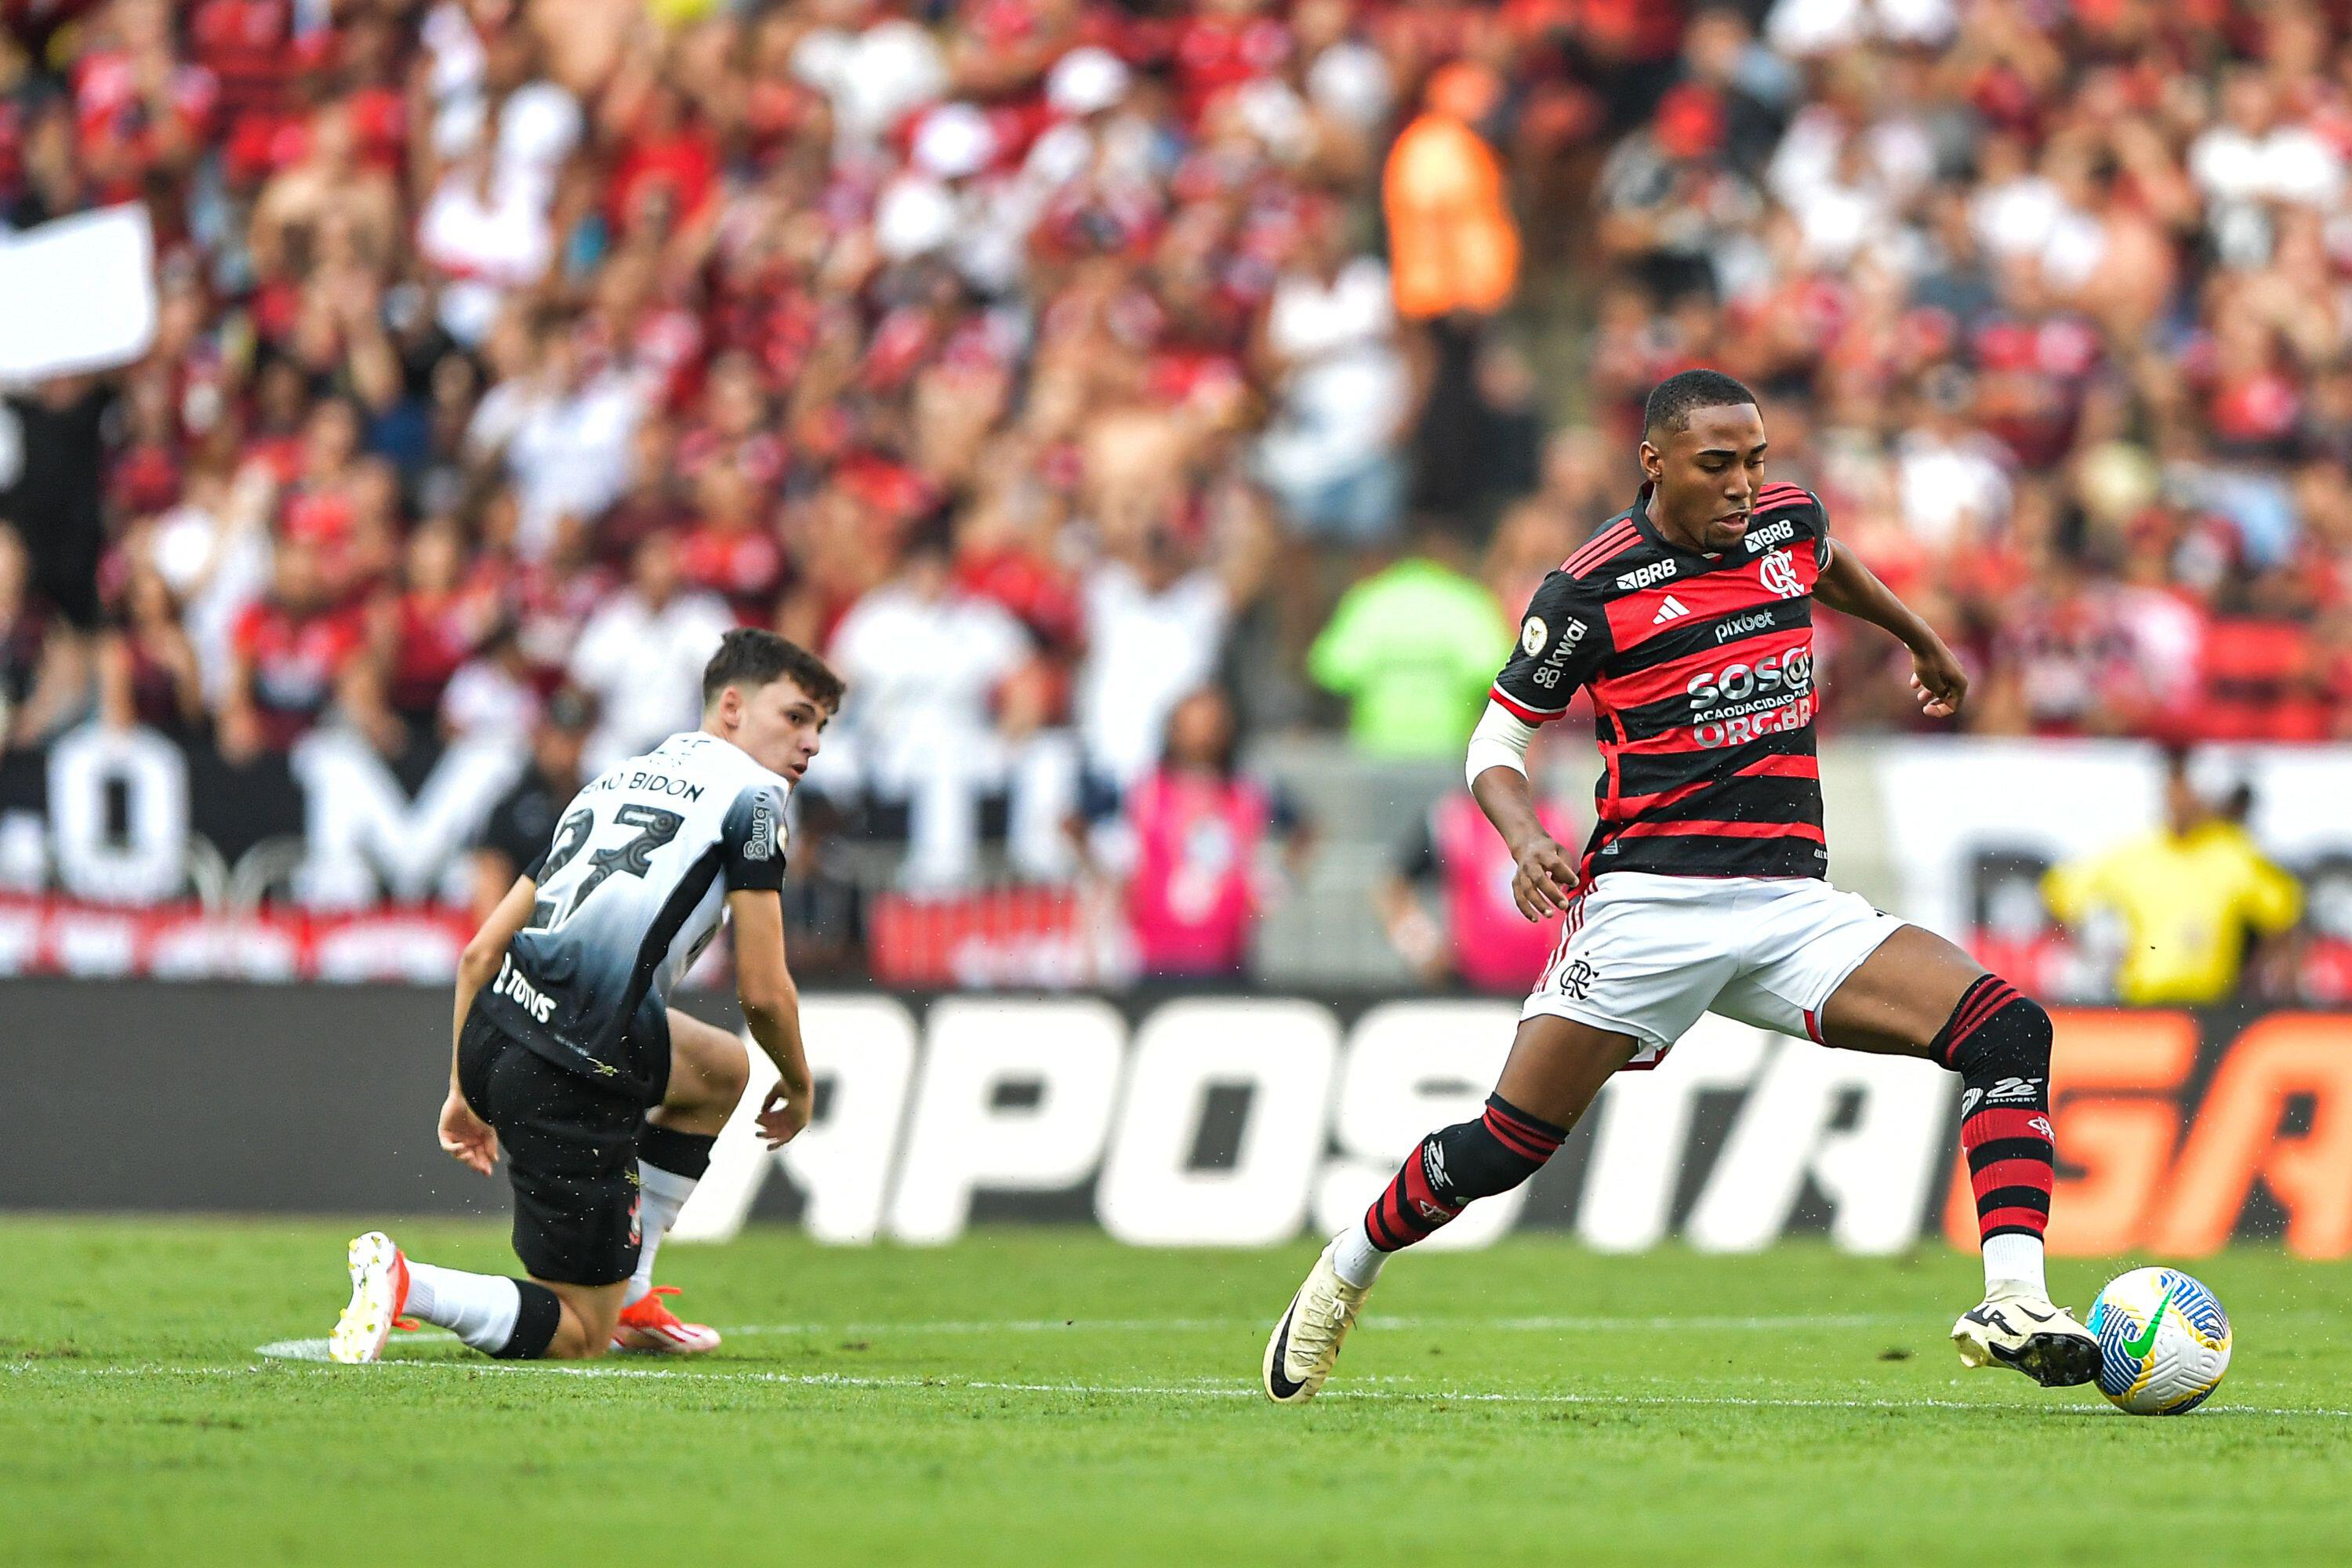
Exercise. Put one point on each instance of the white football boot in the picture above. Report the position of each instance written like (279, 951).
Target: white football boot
(2015, 1327)
(379, 1292)
(1306, 1342)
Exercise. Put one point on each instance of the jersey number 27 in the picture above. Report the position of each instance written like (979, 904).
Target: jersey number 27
(632, 857)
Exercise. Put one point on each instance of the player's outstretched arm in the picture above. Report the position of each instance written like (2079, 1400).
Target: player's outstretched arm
(771, 1007)
(466, 1137)
(1849, 587)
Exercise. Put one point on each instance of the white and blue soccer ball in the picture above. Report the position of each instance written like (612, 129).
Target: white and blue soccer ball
(2164, 1341)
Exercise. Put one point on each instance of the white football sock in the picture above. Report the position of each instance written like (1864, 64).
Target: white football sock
(660, 1194)
(1354, 1259)
(2014, 1257)
(480, 1308)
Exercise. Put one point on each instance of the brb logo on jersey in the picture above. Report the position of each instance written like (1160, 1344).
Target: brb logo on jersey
(1779, 575)
(1642, 576)
(1775, 533)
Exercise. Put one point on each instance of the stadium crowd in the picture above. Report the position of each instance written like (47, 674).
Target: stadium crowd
(1046, 362)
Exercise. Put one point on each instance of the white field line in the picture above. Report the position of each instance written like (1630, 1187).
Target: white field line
(1389, 1394)
(316, 1349)
(1370, 1321)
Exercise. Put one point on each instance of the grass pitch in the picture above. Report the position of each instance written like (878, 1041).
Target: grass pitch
(1041, 1397)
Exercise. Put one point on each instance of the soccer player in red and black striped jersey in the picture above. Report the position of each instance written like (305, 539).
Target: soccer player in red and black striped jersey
(1689, 617)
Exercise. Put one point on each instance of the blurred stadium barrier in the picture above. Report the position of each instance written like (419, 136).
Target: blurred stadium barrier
(125, 855)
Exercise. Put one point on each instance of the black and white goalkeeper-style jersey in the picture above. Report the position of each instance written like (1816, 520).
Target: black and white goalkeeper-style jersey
(631, 889)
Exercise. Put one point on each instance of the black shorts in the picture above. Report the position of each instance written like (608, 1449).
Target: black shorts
(571, 1150)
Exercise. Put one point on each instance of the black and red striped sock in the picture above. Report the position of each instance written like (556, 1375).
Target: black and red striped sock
(1998, 1040)
(1456, 1165)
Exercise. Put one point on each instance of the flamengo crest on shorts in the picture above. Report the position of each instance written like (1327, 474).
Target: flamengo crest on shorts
(1701, 670)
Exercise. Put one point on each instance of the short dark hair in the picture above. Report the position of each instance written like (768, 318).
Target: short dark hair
(751, 655)
(1672, 401)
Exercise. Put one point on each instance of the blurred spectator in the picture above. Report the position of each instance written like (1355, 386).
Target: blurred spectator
(1201, 834)
(213, 552)
(1479, 938)
(425, 631)
(925, 663)
(41, 657)
(495, 692)
(1329, 344)
(1453, 248)
(147, 669)
(640, 654)
(53, 488)
(824, 907)
(521, 827)
(2180, 909)
(1452, 242)
(293, 653)
(1154, 628)
(563, 434)
(1413, 650)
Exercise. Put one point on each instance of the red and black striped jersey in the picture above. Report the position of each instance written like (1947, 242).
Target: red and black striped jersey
(1701, 670)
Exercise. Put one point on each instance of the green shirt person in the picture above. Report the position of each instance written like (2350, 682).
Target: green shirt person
(1412, 648)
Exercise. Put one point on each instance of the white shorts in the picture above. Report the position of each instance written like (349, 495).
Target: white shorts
(1644, 955)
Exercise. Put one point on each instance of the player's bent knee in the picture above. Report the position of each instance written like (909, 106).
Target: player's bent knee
(730, 1075)
(709, 1068)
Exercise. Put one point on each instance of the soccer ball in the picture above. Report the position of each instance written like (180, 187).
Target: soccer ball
(2164, 1341)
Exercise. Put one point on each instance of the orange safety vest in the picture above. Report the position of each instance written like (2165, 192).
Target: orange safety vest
(1452, 243)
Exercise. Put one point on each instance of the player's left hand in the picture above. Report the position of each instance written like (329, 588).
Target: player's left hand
(1938, 682)
(784, 1112)
(466, 1137)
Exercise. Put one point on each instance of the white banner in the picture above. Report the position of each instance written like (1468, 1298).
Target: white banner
(80, 294)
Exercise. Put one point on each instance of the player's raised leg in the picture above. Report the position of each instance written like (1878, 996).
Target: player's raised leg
(708, 1074)
(1919, 995)
(1556, 1067)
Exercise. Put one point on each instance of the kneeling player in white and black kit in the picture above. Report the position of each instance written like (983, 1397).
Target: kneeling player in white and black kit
(605, 1099)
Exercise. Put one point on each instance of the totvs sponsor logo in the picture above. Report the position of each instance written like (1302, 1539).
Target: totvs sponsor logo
(511, 985)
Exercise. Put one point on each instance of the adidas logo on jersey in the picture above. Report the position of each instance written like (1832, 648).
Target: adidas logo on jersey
(1674, 609)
